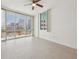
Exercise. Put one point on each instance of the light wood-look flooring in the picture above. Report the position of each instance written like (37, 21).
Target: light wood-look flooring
(32, 48)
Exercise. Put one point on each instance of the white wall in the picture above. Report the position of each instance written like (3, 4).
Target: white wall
(63, 24)
(36, 30)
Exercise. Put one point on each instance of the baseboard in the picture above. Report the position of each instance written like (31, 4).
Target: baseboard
(59, 44)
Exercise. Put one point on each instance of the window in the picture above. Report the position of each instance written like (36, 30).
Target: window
(20, 25)
(10, 24)
(44, 20)
(15, 25)
(3, 27)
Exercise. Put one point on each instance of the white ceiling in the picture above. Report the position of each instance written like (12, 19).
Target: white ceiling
(18, 5)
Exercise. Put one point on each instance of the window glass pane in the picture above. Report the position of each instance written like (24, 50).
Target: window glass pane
(3, 29)
(20, 25)
(10, 24)
(29, 24)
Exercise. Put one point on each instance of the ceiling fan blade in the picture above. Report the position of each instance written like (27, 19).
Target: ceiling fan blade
(34, 1)
(39, 5)
(32, 7)
(30, 3)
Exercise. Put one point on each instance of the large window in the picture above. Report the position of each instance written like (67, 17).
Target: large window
(15, 25)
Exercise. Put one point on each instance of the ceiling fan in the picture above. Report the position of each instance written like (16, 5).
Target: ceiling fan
(34, 3)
